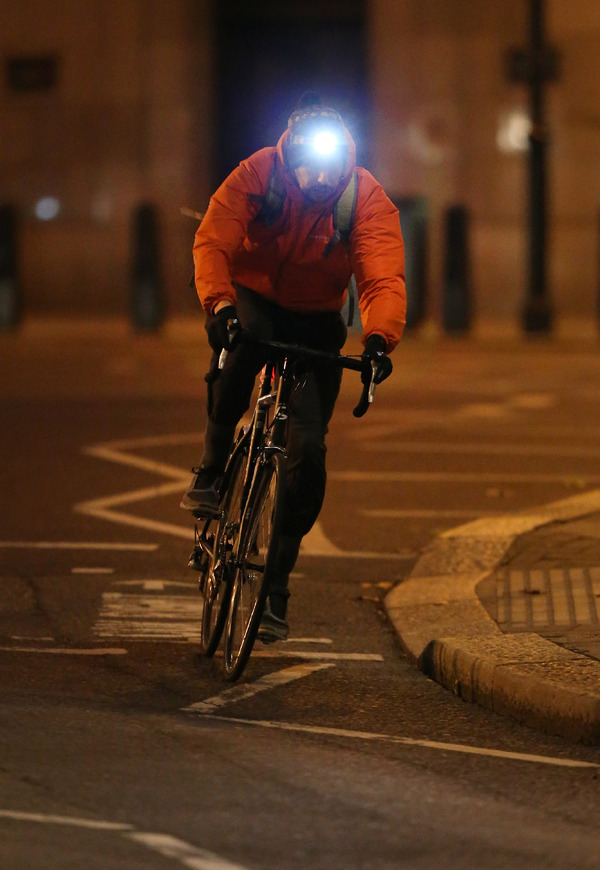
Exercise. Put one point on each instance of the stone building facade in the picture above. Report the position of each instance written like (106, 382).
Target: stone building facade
(108, 103)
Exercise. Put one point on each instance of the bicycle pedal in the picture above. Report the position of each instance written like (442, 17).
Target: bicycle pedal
(195, 560)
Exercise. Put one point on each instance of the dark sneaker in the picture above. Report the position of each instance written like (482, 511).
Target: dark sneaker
(271, 627)
(202, 496)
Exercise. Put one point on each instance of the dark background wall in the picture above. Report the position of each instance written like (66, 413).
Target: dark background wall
(279, 50)
(154, 101)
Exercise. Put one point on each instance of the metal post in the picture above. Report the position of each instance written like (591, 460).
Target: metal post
(537, 314)
(413, 221)
(10, 290)
(456, 293)
(147, 300)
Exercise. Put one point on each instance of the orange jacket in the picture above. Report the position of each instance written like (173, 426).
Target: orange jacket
(285, 263)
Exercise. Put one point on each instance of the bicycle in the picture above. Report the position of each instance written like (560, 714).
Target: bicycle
(234, 548)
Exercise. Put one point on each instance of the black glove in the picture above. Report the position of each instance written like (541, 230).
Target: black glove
(223, 329)
(375, 353)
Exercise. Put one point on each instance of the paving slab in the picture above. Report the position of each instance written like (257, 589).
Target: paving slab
(505, 613)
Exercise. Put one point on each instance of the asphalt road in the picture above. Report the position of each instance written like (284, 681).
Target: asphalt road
(120, 747)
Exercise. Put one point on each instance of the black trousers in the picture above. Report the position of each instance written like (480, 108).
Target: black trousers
(311, 405)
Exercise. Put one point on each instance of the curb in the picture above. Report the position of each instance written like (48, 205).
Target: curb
(445, 630)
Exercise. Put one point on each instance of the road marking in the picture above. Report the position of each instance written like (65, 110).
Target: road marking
(392, 513)
(316, 543)
(30, 639)
(112, 454)
(176, 618)
(66, 651)
(75, 545)
(186, 854)
(325, 656)
(325, 640)
(485, 449)
(64, 820)
(456, 477)
(241, 692)
(103, 509)
(509, 525)
(405, 741)
(92, 570)
(147, 584)
(149, 617)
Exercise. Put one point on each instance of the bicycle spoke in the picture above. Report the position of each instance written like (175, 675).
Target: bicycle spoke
(217, 576)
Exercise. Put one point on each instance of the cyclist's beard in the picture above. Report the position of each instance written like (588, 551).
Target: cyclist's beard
(319, 193)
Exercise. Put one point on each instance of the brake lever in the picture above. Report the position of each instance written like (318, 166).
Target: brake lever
(371, 394)
(367, 395)
(232, 328)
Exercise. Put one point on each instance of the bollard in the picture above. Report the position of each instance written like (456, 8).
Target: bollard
(10, 291)
(598, 298)
(456, 288)
(147, 299)
(413, 221)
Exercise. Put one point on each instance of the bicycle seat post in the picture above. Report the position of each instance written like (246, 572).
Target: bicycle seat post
(281, 405)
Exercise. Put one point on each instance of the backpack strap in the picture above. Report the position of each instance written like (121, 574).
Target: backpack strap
(343, 215)
(271, 204)
(343, 211)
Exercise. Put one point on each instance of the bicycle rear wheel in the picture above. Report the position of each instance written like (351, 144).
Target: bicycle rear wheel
(254, 567)
(217, 578)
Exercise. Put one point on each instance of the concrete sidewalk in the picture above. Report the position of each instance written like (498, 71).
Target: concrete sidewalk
(505, 613)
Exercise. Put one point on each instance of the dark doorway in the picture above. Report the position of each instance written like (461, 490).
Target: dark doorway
(269, 53)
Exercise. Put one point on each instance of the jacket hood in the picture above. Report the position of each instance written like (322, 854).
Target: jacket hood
(288, 176)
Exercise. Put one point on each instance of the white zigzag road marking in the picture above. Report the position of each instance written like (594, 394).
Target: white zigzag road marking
(316, 543)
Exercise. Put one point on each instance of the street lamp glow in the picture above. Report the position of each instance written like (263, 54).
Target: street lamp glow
(47, 208)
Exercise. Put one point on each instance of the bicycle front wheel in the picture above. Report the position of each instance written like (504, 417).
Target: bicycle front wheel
(216, 587)
(254, 567)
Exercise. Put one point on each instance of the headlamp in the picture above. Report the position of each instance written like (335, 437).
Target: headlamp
(325, 143)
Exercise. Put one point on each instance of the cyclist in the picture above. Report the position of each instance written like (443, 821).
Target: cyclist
(283, 277)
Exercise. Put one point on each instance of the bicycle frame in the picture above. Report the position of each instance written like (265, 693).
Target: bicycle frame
(233, 560)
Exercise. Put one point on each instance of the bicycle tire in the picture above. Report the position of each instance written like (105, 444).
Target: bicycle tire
(258, 540)
(217, 579)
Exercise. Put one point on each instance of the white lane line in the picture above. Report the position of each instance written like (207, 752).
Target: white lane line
(64, 820)
(75, 545)
(533, 401)
(92, 570)
(104, 451)
(391, 513)
(325, 656)
(65, 651)
(155, 441)
(185, 853)
(241, 692)
(30, 639)
(456, 477)
(405, 741)
(325, 640)
(485, 449)
(516, 524)
(95, 509)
